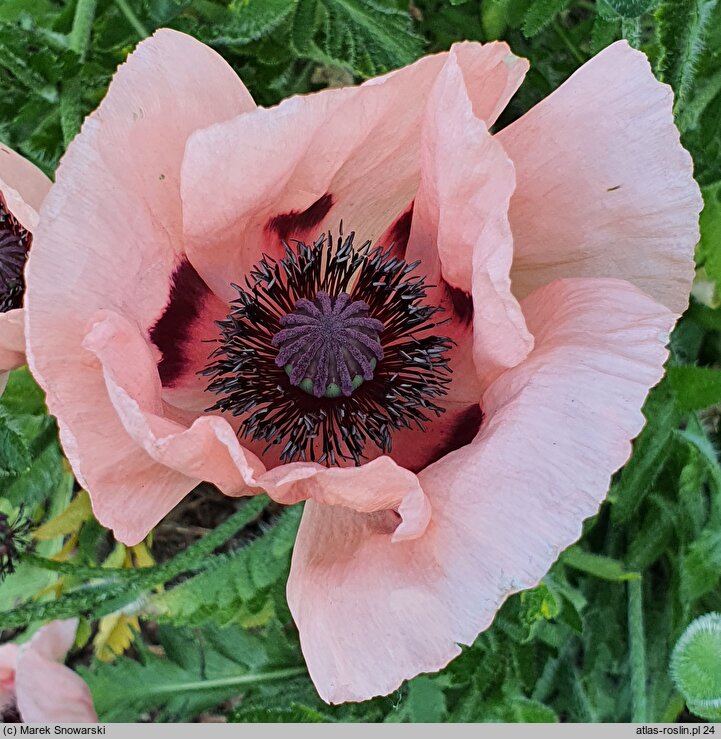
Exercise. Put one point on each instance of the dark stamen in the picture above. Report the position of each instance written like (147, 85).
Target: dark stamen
(13, 540)
(14, 245)
(329, 348)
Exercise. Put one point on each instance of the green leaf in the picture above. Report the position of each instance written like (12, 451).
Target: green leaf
(541, 14)
(604, 33)
(252, 20)
(234, 587)
(701, 565)
(605, 10)
(695, 434)
(367, 37)
(22, 395)
(40, 472)
(597, 565)
(709, 248)
(652, 536)
(632, 8)
(426, 701)
(14, 448)
(695, 388)
(305, 25)
(182, 686)
(650, 448)
(13, 10)
(683, 26)
(296, 713)
(691, 482)
(527, 711)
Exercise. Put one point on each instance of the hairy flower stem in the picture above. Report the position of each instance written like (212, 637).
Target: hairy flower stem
(88, 573)
(82, 26)
(251, 678)
(637, 649)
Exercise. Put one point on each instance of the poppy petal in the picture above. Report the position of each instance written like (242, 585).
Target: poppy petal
(604, 188)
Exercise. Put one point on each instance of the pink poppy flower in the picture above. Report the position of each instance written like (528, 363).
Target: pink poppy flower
(34, 684)
(22, 188)
(444, 466)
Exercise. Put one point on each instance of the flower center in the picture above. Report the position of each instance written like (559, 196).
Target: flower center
(14, 244)
(329, 349)
(328, 346)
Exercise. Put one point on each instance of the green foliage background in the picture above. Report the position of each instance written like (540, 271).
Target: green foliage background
(593, 641)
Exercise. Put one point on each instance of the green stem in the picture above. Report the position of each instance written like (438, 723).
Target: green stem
(224, 682)
(566, 39)
(637, 645)
(82, 26)
(89, 573)
(133, 19)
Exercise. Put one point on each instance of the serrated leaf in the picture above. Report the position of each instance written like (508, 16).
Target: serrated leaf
(14, 448)
(227, 591)
(632, 8)
(22, 395)
(683, 26)
(252, 20)
(368, 37)
(43, 473)
(180, 690)
(541, 14)
(605, 10)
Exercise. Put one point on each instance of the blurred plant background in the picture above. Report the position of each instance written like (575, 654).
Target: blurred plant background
(193, 624)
